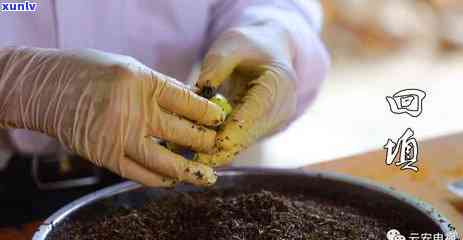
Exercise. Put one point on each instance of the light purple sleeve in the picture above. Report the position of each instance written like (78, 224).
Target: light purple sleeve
(302, 18)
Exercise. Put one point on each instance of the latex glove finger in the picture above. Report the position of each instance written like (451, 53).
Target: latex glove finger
(216, 68)
(266, 105)
(104, 107)
(132, 170)
(249, 49)
(157, 158)
(184, 133)
(188, 104)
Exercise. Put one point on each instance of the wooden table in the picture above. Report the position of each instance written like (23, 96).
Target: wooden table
(440, 162)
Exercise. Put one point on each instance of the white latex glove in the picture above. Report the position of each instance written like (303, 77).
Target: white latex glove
(109, 109)
(253, 67)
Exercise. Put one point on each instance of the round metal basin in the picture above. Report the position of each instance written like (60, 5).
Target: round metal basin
(372, 197)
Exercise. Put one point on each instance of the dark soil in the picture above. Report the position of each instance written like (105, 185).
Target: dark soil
(218, 216)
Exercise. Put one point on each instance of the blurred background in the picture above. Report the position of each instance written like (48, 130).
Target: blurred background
(378, 48)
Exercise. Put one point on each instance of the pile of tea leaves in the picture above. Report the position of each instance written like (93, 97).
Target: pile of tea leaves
(213, 215)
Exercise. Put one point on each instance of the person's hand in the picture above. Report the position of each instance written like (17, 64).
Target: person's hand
(110, 109)
(252, 66)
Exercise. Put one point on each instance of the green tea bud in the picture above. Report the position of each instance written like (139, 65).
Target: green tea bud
(223, 103)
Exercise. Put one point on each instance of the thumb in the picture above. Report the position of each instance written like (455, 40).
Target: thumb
(216, 68)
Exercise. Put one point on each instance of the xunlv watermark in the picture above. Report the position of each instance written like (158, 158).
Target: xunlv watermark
(18, 6)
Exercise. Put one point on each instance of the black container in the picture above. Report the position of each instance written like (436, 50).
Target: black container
(373, 197)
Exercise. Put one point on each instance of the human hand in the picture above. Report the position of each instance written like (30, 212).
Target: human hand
(252, 66)
(109, 109)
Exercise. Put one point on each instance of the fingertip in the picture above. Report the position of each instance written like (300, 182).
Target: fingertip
(199, 176)
(215, 69)
(155, 159)
(204, 176)
(212, 179)
(214, 115)
(186, 103)
(207, 72)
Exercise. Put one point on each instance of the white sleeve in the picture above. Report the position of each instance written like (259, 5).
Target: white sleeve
(229, 13)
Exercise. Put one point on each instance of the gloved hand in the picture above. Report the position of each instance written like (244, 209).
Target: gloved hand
(253, 67)
(109, 109)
